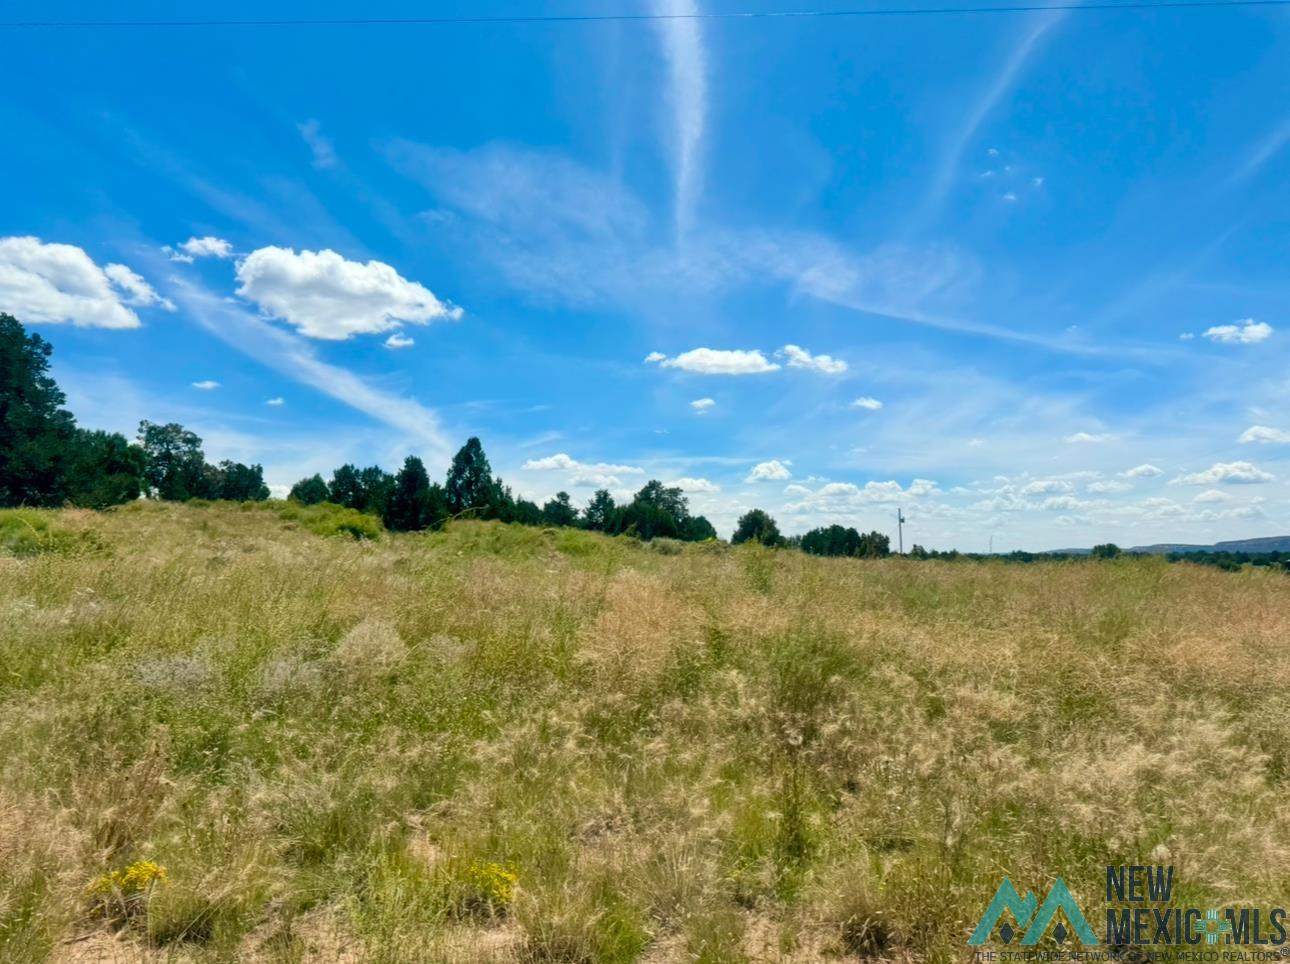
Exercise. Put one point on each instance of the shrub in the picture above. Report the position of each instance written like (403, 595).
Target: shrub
(326, 519)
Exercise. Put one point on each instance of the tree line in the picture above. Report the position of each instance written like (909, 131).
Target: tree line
(46, 459)
(409, 501)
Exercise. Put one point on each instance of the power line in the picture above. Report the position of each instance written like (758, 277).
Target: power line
(636, 17)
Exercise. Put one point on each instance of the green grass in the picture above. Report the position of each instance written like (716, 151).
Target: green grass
(339, 742)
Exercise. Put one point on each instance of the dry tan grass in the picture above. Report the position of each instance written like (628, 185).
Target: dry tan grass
(717, 754)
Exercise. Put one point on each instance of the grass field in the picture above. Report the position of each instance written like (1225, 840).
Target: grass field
(228, 737)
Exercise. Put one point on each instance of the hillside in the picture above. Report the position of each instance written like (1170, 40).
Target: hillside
(231, 738)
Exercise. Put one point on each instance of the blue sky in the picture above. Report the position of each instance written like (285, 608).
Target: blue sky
(1024, 275)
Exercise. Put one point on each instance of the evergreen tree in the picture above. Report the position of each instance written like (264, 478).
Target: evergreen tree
(756, 525)
(560, 511)
(470, 482)
(176, 465)
(346, 488)
(36, 432)
(239, 483)
(699, 529)
(103, 469)
(599, 514)
(415, 503)
(310, 491)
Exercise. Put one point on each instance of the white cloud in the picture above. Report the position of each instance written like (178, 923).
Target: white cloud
(1063, 503)
(694, 485)
(600, 474)
(921, 487)
(867, 403)
(1010, 197)
(329, 297)
(772, 471)
(276, 402)
(206, 386)
(1262, 433)
(715, 361)
(1231, 472)
(324, 153)
(1144, 471)
(1088, 437)
(1109, 485)
(795, 489)
(140, 292)
(679, 29)
(836, 496)
(1246, 332)
(1045, 486)
(701, 405)
(399, 340)
(207, 247)
(1187, 336)
(1212, 495)
(799, 357)
(57, 283)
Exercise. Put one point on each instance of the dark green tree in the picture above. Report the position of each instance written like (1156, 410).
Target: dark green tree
(415, 503)
(176, 465)
(309, 491)
(470, 482)
(874, 545)
(346, 488)
(377, 484)
(599, 514)
(36, 432)
(239, 483)
(1107, 550)
(756, 525)
(526, 513)
(104, 469)
(699, 529)
(560, 511)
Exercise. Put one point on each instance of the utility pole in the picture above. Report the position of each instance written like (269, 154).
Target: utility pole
(900, 530)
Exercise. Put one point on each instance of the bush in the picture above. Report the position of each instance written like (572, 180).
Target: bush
(26, 532)
(326, 519)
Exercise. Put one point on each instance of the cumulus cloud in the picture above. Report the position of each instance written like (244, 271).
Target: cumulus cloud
(1246, 332)
(1266, 435)
(59, 283)
(701, 405)
(276, 402)
(772, 471)
(327, 296)
(835, 496)
(693, 485)
(1088, 437)
(399, 340)
(1144, 471)
(867, 403)
(206, 386)
(716, 361)
(207, 247)
(796, 489)
(799, 357)
(1230, 472)
(1109, 485)
(600, 475)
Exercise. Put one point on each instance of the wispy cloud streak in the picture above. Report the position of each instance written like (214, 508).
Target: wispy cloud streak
(952, 156)
(682, 41)
(296, 358)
